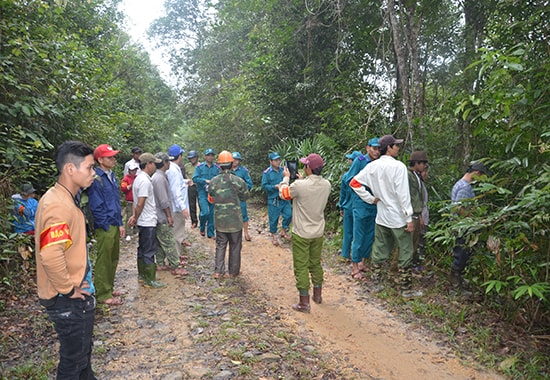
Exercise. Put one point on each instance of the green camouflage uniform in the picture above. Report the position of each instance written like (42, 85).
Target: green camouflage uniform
(227, 191)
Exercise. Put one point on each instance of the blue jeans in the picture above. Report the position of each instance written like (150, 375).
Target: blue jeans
(74, 323)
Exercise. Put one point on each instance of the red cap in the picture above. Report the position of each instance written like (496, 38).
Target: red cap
(313, 160)
(104, 150)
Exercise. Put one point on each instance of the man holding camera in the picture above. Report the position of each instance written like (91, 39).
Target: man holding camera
(276, 207)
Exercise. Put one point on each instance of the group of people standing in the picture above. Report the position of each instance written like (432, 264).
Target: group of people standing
(383, 204)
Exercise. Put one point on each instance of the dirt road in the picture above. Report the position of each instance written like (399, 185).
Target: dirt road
(201, 328)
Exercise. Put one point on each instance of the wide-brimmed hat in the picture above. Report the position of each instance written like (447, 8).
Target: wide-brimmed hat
(27, 189)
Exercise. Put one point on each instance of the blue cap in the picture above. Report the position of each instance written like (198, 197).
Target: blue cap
(174, 151)
(236, 156)
(373, 142)
(274, 155)
(353, 155)
(209, 151)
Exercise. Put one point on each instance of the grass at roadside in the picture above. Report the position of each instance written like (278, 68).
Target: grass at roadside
(470, 326)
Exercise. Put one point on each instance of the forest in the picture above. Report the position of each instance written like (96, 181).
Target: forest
(463, 80)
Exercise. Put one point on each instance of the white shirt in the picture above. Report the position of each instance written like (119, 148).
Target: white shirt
(143, 188)
(178, 188)
(128, 164)
(388, 180)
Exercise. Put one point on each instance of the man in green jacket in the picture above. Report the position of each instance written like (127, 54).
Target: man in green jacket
(418, 162)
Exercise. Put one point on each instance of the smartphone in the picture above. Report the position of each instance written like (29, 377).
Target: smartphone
(292, 167)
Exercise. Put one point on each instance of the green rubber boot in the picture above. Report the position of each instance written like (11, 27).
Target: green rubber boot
(150, 281)
(141, 272)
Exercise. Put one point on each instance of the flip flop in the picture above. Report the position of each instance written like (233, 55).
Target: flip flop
(358, 276)
(179, 272)
(115, 301)
(187, 243)
(119, 292)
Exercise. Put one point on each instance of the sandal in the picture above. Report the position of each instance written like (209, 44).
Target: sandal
(186, 243)
(358, 276)
(363, 268)
(114, 301)
(179, 272)
(119, 292)
(285, 236)
(275, 241)
(218, 275)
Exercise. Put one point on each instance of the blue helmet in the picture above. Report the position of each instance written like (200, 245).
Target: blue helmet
(237, 156)
(209, 151)
(192, 154)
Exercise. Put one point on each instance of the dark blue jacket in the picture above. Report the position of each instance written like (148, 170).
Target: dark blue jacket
(104, 200)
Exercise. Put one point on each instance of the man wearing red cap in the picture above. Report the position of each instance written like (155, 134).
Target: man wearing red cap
(105, 206)
(309, 197)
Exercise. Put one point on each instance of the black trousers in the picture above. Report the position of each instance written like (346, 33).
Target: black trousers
(192, 197)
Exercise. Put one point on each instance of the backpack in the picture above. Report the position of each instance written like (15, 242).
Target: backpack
(84, 204)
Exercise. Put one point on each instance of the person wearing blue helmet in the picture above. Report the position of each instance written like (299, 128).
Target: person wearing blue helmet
(363, 213)
(271, 179)
(190, 165)
(242, 172)
(204, 172)
(346, 211)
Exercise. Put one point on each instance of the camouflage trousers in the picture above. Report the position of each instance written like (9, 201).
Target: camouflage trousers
(166, 246)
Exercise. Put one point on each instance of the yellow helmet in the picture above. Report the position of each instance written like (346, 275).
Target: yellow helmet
(225, 157)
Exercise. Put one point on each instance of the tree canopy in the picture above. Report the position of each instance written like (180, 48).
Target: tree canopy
(463, 80)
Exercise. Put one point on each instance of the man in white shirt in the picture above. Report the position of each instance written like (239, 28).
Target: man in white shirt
(385, 182)
(145, 217)
(178, 190)
(136, 152)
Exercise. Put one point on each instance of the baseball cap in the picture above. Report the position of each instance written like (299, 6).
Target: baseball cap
(313, 160)
(146, 158)
(388, 140)
(162, 156)
(209, 151)
(274, 155)
(476, 165)
(174, 151)
(373, 142)
(104, 150)
(27, 188)
(133, 166)
(136, 149)
(418, 155)
(353, 155)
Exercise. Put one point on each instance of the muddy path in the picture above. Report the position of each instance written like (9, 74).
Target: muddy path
(198, 327)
